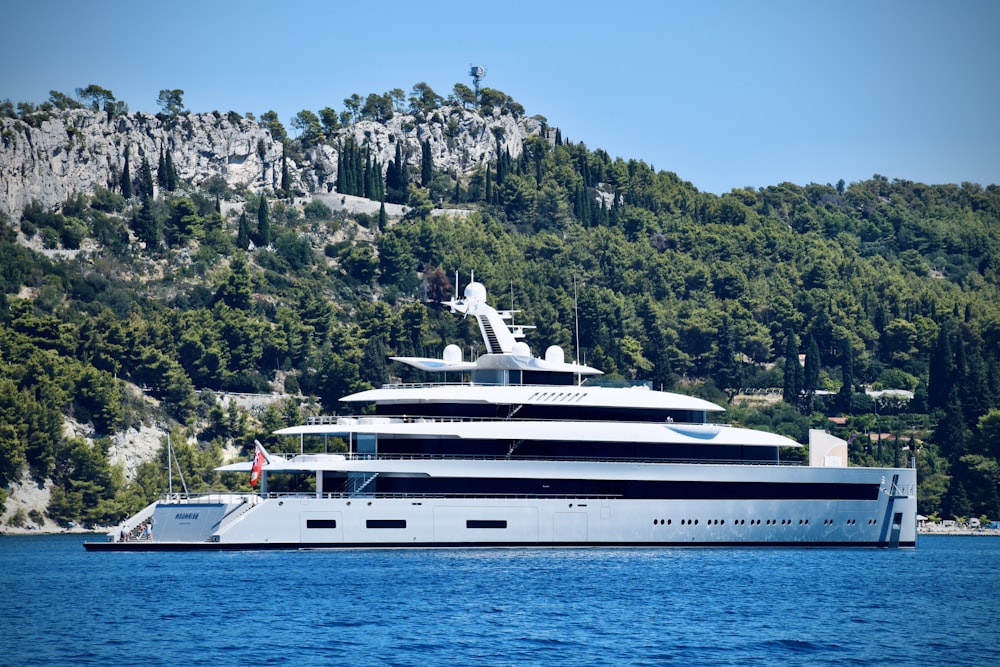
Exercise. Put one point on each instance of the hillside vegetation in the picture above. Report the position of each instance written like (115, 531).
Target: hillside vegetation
(152, 299)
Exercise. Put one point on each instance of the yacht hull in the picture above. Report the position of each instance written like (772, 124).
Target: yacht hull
(333, 522)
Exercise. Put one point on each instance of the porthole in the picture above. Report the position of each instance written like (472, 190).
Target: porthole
(696, 522)
(669, 521)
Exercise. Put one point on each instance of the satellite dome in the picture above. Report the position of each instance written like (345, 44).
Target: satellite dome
(555, 355)
(475, 292)
(452, 354)
(521, 349)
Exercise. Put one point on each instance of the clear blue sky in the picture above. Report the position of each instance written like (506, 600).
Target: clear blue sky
(725, 94)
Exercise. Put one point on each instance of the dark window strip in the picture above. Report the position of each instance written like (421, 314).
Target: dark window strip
(486, 523)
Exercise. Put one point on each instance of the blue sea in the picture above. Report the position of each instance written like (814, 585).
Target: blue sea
(936, 605)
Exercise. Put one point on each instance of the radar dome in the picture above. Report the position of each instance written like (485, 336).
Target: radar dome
(475, 292)
(521, 349)
(452, 354)
(555, 354)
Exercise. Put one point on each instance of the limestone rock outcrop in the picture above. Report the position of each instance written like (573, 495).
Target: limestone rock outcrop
(62, 153)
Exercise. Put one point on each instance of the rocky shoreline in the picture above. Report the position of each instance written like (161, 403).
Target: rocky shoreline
(975, 532)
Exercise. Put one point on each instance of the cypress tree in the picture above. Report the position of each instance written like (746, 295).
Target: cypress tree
(811, 376)
(383, 219)
(847, 377)
(792, 387)
(340, 169)
(146, 226)
(727, 373)
(941, 371)
(146, 173)
(426, 163)
(161, 171)
(263, 222)
(243, 233)
(359, 172)
(171, 177)
(126, 178)
(369, 189)
(404, 180)
(379, 182)
(286, 179)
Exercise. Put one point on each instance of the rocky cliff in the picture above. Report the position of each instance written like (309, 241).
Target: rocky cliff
(50, 157)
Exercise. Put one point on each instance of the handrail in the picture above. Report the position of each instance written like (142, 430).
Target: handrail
(356, 420)
(350, 456)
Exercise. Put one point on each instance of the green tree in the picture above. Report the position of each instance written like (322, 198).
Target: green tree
(309, 127)
(171, 102)
(243, 231)
(844, 397)
(426, 164)
(263, 223)
(793, 380)
(269, 121)
(96, 96)
(126, 181)
(465, 95)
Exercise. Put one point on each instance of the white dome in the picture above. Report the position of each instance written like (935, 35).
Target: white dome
(555, 354)
(476, 292)
(521, 349)
(452, 354)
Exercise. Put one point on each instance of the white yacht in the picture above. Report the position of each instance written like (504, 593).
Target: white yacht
(530, 452)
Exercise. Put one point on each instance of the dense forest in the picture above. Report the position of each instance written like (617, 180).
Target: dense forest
(168, 297)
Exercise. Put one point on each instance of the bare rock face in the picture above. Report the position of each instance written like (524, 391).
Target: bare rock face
(78, 151)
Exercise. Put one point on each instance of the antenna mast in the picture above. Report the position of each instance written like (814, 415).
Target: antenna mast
(576, 318)
(477, 74)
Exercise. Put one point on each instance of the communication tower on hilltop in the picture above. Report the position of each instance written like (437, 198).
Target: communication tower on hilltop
(477, 74)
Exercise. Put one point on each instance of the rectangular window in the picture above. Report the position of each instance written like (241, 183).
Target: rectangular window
(486, 523)
(386, 523)
(321, 523)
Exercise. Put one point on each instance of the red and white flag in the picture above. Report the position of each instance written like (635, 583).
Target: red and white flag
(258, 463)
